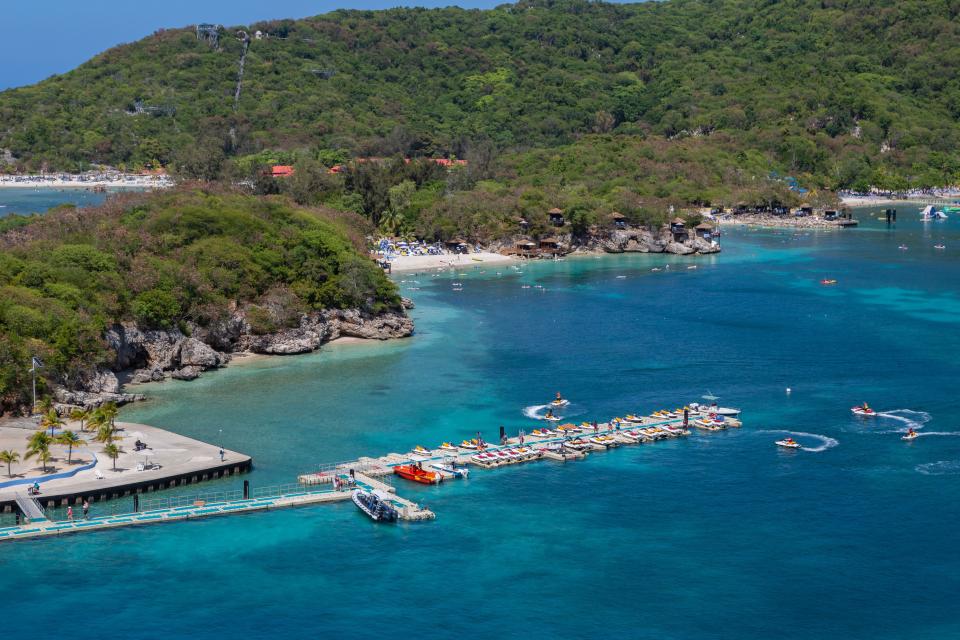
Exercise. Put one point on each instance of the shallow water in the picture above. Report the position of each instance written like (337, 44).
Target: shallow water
(717, 536)
(32, 200)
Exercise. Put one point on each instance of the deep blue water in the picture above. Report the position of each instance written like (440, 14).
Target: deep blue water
(716, 536)
(29, 200)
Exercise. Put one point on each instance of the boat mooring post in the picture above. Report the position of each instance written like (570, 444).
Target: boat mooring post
(246, 489)
(136, 503)
(686, 418)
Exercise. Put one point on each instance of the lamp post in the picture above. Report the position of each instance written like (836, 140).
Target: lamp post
(35, 363)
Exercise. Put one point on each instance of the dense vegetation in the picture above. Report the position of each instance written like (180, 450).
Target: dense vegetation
(177, 259)
(842, 93)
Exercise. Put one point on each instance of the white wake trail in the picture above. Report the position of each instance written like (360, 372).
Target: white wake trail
(826, 441)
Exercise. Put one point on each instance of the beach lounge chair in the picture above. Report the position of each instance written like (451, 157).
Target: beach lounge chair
(98, 474)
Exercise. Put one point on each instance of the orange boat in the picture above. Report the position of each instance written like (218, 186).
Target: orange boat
(412, 472)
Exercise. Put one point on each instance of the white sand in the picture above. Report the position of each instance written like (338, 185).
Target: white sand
(447, 261)
(111, 181)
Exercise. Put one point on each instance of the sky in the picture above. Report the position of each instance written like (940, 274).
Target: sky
(41, 39)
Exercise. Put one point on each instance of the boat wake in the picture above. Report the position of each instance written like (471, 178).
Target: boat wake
(911, 419)
(826, 442)
(939, 433)
(538, 411)
(942, 468)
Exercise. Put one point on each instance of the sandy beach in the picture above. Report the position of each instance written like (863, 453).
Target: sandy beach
(109, 181)
(456, 261)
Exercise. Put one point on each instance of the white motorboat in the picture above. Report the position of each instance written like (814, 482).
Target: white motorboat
(863, 410)
(788, 443)
(451, 469)
(910, 435)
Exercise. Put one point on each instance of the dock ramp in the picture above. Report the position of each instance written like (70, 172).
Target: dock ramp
(30, 507)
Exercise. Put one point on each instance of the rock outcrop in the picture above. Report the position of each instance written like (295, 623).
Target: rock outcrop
(152, 356)
(662, 241)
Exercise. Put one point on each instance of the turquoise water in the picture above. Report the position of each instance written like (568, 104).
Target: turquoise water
(29, 200)
(716, 536)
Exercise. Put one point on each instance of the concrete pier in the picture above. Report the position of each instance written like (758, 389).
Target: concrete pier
(170, 461)
(567, 445)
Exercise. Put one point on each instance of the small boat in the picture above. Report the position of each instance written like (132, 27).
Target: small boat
(902, 247)
(826, 281)
(451, 469)
(469, 444)
(932, 213)
(446, 446)
(788, 443)
(552, 418)
(374, 506)
(632, 418)
(417, 474)
(577, 444)
(940, 246)
(910, 435)
(559, 401)
(728, 412)
(636, 436)
(420, 451)
(604, 440)
(863, 410)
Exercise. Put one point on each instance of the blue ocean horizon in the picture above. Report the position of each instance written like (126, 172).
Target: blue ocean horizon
(719, 535)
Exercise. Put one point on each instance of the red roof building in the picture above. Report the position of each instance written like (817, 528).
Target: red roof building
(281, 170)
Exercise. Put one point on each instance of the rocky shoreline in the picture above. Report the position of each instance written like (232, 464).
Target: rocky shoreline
(154, 355)
(646, 241)
(783, 222)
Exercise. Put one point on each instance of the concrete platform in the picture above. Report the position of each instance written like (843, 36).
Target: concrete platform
(181, 461)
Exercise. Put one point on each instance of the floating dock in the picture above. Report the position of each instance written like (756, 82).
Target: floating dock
(561, 445)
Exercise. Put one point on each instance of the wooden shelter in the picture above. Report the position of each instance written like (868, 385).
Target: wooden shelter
(556, 217)
(619, 220)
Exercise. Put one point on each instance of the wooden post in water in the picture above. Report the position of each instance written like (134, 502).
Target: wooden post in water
(136, 502)
(246, 489)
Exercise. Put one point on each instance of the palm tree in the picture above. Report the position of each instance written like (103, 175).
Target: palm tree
(80, 415)
(110, 413)
(45, 404)
(69, 439)
(51, 419)
(113, 452)
(8, 457)
(95, 418)
(105, 433)
(39, 445)
(44, 456)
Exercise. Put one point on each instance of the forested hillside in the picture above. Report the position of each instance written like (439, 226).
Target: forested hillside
(181, 259)
(845, 92)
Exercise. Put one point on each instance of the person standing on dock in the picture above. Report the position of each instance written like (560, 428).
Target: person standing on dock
(70, 514)
(221, 454)
(86, 509)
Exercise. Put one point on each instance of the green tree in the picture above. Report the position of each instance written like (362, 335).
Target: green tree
(113, 452)
(68, 439)
(8, 457)
(51, 420)
(38, 446)
(80, 415)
